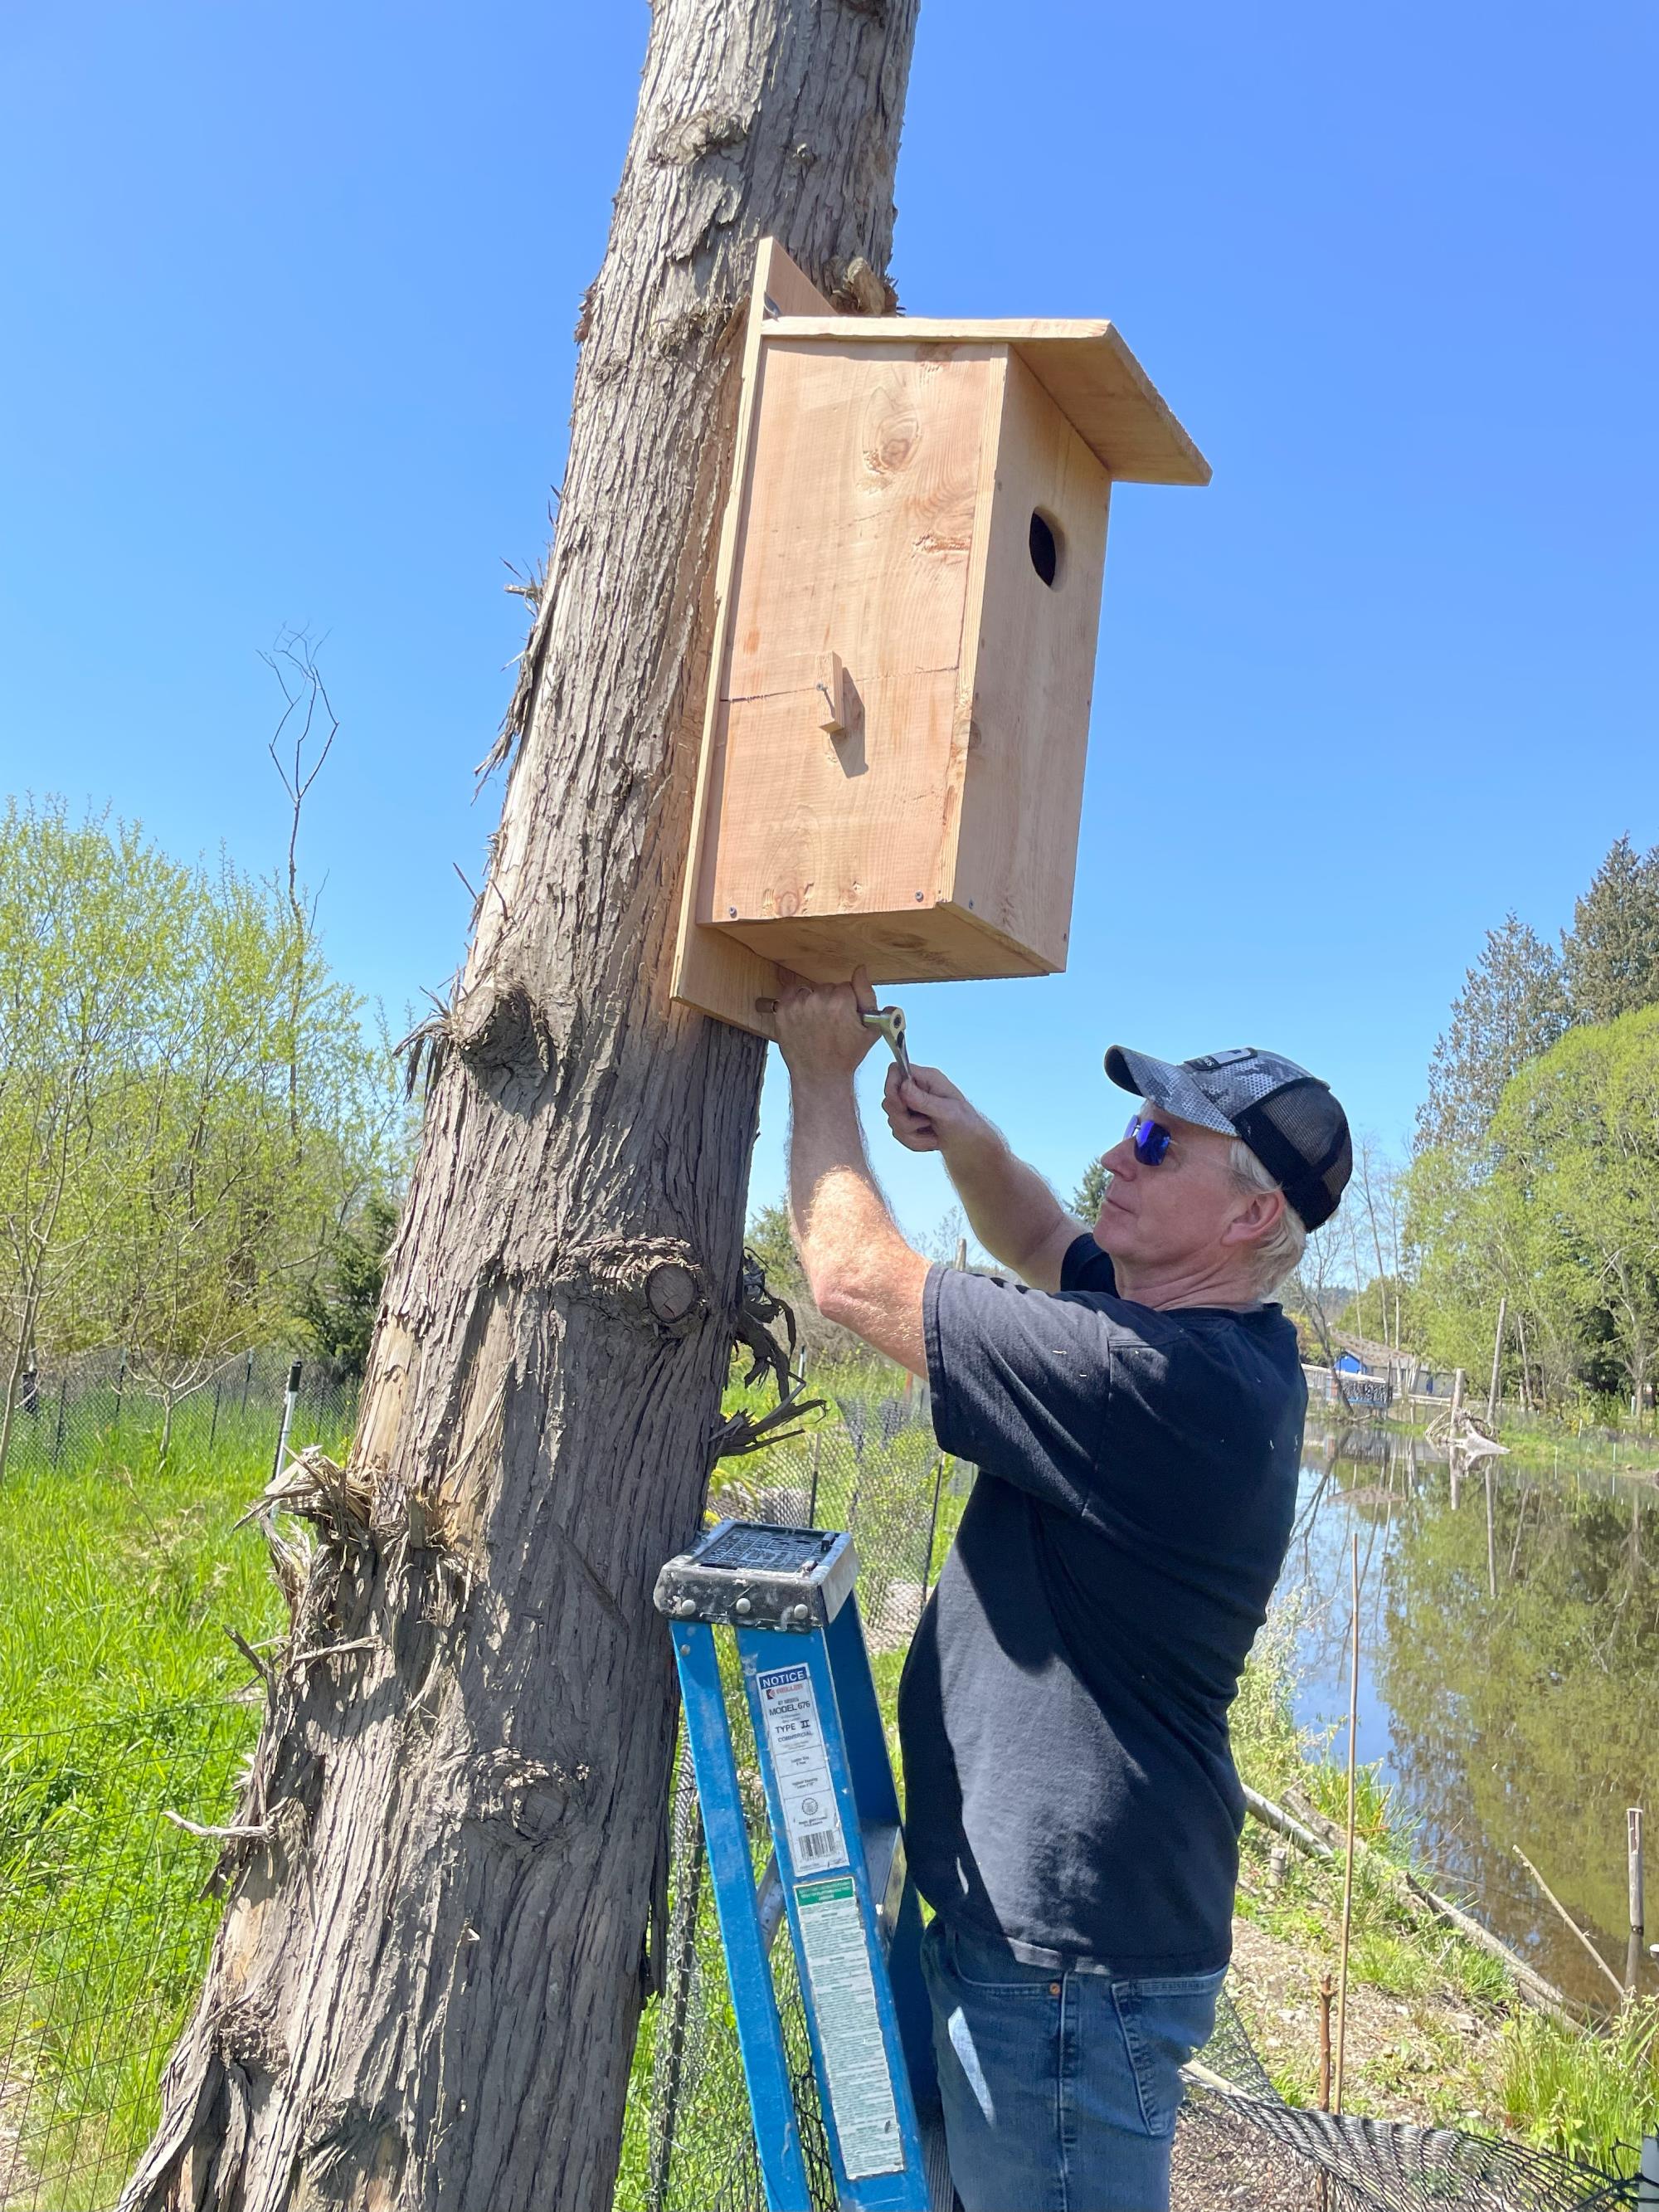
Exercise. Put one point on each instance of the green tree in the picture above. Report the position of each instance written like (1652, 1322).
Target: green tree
(189, 1107)
(337, 1310)
(1512, 1006)
(1578, 1136)
(1611, 954)
(91, 934)
(1087, 1198)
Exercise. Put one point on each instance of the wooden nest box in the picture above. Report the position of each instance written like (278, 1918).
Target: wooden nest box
(908, 595)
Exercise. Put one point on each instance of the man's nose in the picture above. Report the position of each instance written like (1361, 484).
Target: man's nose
(1120, 1159)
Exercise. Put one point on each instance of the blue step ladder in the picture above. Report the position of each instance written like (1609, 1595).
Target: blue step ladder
(837, 1871)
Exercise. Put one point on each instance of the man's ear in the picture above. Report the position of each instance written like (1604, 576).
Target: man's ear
(1256, 1220)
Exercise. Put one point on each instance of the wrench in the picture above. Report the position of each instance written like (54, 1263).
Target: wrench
(889, 1020)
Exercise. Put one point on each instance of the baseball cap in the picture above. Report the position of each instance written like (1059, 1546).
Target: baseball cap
(1287, 1117)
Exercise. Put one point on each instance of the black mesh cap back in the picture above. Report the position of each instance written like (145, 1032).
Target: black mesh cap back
(1300, 1135)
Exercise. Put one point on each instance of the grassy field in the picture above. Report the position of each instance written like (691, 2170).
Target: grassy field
(116, 1677)
(117, 1701)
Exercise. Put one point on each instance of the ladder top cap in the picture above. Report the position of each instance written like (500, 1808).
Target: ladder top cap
(751, 1574)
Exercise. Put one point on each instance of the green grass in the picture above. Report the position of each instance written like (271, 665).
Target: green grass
(1590, 2096)
(1588, 2092)
(117, 1584)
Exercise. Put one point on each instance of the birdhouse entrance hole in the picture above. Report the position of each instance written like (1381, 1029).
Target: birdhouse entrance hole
(1045, 547)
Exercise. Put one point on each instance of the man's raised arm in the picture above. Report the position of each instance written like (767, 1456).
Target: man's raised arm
(1011, 1211)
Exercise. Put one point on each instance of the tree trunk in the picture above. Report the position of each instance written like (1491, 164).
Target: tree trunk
(427, 1982)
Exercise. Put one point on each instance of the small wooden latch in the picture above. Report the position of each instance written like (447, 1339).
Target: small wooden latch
(840, 700)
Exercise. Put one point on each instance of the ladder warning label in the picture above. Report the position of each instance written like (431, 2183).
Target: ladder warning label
(802, 1767)
(849, 2028)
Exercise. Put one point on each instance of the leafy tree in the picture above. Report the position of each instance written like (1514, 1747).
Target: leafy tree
(90, 953)
(1513, 1005)
(1578, 1173)
(1090, 1193)
(337, 1311)
(1611, 954)
(188, 1106)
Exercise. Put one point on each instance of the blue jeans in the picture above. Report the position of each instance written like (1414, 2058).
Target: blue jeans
(1060, 2091)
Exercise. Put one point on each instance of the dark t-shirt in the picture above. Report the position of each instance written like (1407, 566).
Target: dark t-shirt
(1069, 1786)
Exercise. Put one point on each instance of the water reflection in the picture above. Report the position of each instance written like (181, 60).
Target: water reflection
(1509, 1674)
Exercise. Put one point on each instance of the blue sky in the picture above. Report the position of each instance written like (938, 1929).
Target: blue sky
(289, 297)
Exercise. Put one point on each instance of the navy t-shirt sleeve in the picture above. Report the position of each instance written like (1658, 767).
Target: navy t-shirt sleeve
(1021, 1382)
(1086, 1267)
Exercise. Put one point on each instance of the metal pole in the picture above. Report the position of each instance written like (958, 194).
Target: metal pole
(213, 1425)
(247, 1380)
(932, 1528)
(292, 1393)
(57, 1441)
(1633, 1862)
(1347, 1861)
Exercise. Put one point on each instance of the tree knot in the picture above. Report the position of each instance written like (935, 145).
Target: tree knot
(710, 131)
(654, 1282)
(498, 1028)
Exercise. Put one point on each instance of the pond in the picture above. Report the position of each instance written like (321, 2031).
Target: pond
(1509, 1682)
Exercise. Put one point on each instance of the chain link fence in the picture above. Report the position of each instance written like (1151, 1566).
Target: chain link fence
(104, 1408)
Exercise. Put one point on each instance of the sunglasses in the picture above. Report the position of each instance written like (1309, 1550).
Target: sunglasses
(1152, 1140)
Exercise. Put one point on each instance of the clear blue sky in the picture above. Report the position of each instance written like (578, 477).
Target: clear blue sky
(290, 294)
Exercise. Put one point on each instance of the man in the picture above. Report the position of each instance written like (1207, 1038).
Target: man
(1135, 1412)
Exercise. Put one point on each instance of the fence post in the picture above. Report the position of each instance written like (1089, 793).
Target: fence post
(289, 1395)
(1497, 1359)
(120, 1385)
(932, 1528)
(1633, 1862)
(57, 1441)
(247, 1380)
(213, 1425)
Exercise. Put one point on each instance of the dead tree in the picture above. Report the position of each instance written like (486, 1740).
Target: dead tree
(425, 1985)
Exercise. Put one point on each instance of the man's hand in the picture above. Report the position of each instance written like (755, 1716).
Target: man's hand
(928, 1113)
(819, 1032)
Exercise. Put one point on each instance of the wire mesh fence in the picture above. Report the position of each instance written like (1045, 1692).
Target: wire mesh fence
(104, 1932)
(112, 1404)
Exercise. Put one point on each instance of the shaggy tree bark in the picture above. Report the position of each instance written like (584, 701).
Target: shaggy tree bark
(427, 1982)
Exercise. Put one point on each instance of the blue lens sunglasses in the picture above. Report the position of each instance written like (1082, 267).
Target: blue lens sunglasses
(1152, 1140)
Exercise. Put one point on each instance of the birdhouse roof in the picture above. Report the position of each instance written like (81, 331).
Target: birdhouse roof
(1086, 369)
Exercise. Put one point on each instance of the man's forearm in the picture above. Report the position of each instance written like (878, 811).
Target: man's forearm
(859, 1269)
(1010, 1208)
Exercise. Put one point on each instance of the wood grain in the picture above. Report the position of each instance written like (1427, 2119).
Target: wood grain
(713, 974)
(1012, 858)
(1086, 367)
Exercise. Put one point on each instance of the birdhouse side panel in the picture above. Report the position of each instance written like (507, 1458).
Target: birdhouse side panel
(858, 515)
(1012, 846)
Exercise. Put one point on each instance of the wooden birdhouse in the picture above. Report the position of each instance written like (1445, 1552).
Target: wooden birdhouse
(909, 597)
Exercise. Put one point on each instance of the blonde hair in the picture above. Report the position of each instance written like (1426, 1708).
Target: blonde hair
(1280, 1252)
